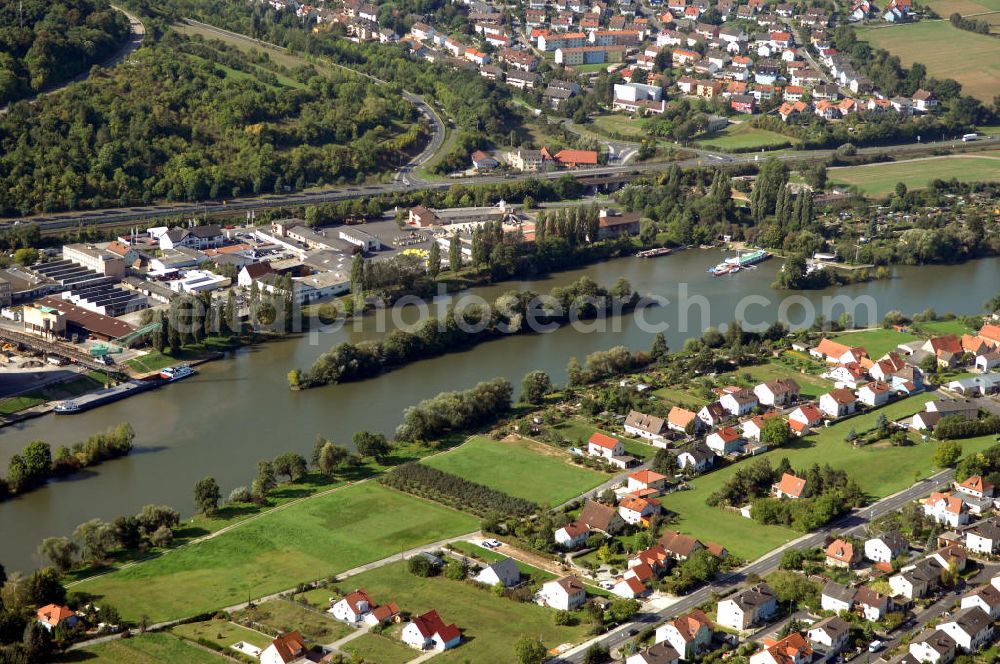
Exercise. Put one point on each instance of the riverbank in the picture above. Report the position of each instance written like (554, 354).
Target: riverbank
(230, 414)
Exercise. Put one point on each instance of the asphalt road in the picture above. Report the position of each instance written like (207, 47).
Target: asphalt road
(850, 524)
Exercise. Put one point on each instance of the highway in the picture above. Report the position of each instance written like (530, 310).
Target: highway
(406, 181)
(850, 524)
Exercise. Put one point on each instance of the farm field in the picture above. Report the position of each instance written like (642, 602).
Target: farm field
(150, 647)
(881, 179)
(743, 137)
(317, 537)
(879, 470)
(520, 468)
(967, 7)
(971, 59)
(489, 624)
(876, 342)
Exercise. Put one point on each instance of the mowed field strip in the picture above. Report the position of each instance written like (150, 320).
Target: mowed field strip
(314, 538)
(881, 179)
(971, 59)
(519, 468)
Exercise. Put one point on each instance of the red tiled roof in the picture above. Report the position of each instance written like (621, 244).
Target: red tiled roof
(647, 476)
(588, 157)
(841, 550)
(289, 646)
(53, 614)
(680, 417)
(990, 332)
(601, 440)
(791, 485)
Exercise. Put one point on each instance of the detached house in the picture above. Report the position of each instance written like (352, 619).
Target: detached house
(841, 553)
(353, 607)
(604, 446)
(986, 598)
(886, 547)
(713, 414)
(565, 594)
(724, 441)
(792, 649)
(916, 581)
(689, 634)
(983, 537)
(598, 516)
(777, 392)
(572, 536)
(976, 487)
(646, 480)
(807, 415)
(504, 572)
(739, 403)
(874, 394)
(428, 631)
(284, 649)
(678, 419)
(696, 458)
(52, 616)
(946, 509)
(749, 607)
(832, 632)
(838, 403)
(971, 628)
(790, 486)
(637, 511)
(679, 547)
(660, 653)
(932, 646)
(644, 426)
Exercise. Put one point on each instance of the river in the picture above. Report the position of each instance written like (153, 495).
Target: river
(239, 410)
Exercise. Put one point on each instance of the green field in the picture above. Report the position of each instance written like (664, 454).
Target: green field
(879, 470)
(520, 468)
(489, 624)
(881, 179)
(311, 539)
(743, 137)
(876, 342)
(223, 633)
(623, 125)
(971, 59)
(282, 615)
(155, 360)
(379, 649)
(941, 327)
(146, 648)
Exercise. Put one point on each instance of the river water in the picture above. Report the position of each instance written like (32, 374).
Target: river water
(237, 411)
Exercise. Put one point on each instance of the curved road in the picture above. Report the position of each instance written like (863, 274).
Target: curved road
(136, 37)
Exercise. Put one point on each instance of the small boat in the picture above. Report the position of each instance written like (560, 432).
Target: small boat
(67, 407)
(653, 253)
(171, 374)
(739, 262)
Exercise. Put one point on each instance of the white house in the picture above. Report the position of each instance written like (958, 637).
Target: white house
(604, 446)
(946, 509)
(504, 572)
(807, 414)
(933, 646)
(739, 403)
(971, 628)
(983, 537)
(52, 616)
(875, 393)
(726, 440)
(986, 598)
(565, 594)
(636, 511)
(792, 649)
(748, 607)
(572, 536)
(838, 403)
(196, 237)
(645, 426)
(689, 634)
(833, 632)
(630, 587)
(353, 607)
(886, 547)
(284, 649)
(836, 597)
(646, 480)
(428, 631)
(695, 458)
(713, 414)
(777, 392)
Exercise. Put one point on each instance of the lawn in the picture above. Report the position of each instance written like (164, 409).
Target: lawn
(378, 649)
(812, 386)
(520, 468)
(941, 327)
(881, 179)
(321, 536)
(743, 137)
(143, 649)
(971, 59)
(489, 624)
(879, 470)
(682, 398)
(623, 125)
(877, 342)
(282, 615)
(155, 360)
(223, 633)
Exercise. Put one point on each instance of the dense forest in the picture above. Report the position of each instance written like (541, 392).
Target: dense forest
(191, 119)
(45, 43)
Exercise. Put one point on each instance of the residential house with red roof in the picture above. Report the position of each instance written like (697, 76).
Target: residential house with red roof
(604, 446)
(353, 607)
(284, 649)
(572, 536)
(946, 509)
(807, 414)
(740, 402)
(841, 553)
(689, 634)
(565, 594)
(838, 403)
(789, 486)
(726, 440)
(646, 479)
(991, 333)
(429, 632)
(679, 418)
(874, 394)
(778, 392)
(976, 486)
(638, 511)
(793, 649)
(52, 616)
